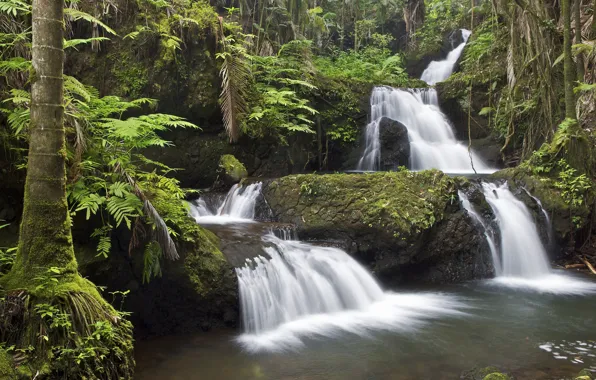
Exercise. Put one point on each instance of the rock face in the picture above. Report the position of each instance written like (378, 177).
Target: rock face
(405, 226)
(395, 146)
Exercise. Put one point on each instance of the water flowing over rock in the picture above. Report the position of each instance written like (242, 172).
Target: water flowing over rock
(432, 141)
(303, 291)
(438, 71)
(239, 205)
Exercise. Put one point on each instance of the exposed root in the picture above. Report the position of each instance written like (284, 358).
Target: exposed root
(71, 334)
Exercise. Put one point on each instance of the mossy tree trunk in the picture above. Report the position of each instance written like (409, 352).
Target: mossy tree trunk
(577, 20)
(45, 237)
(568, 60)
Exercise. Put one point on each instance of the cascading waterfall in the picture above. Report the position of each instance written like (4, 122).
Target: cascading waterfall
(546, 217)
(238, 205)
(300, 290)
(524, 262)
(432, 141)
(438, 71)
(523, 254)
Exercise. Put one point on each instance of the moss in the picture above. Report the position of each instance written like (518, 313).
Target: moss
(584, 374)
(401, 203)
(6, 366)
(231, 168)
(497, 376)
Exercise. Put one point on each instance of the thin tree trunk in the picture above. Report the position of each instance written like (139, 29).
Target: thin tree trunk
(568, 60)
(45, 237)
(578, 39)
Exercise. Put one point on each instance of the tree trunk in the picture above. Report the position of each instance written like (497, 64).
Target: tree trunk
(593, 20)
(568, 60)
(578, 39)
(45, 237)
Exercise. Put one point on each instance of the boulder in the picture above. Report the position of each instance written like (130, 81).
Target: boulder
(395, 146)
(405, 226)
(230, 170)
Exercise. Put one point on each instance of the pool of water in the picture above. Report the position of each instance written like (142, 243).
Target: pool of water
(528, 332)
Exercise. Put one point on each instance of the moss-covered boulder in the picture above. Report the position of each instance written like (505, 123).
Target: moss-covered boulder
(405, 225)
(585, 374)
(496, 376)
(197, 291)
(231, 171)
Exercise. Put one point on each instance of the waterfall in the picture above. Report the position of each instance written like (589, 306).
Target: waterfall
(238, 206)
(523, 254)
(304, 291)
(488, 234)
(431, 136)
(546, 217)
(438, 71)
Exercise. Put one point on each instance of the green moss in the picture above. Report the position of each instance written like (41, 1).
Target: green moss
(233, 169)
(584, 374)
(497, 376)
(6, 366)
(401, 203)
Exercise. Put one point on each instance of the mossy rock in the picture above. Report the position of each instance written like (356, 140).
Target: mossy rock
(403, 224)
(231, 171)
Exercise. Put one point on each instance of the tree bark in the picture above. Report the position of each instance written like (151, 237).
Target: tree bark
(578, 39)
(568, 60)
(45, 238)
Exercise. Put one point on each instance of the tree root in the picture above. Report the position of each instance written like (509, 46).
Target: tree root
(72, 333)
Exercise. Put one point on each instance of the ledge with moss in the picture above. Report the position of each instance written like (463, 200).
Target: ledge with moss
(230, 170)
(405, 225)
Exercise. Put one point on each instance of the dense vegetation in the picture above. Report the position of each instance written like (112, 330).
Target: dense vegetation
(272, 78)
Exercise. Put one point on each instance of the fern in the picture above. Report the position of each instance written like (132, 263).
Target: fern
(104, 244)
(80, 41)
(75, 15)
(15, 7)
(151, 262)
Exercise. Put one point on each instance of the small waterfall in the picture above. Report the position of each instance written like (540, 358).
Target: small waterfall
(432, 141)
(238, 205)
(549, 226)
(438, 71)
(523, 254)
(488, 234)
(303, 291)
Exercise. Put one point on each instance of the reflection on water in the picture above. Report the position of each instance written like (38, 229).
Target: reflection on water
(513, 329)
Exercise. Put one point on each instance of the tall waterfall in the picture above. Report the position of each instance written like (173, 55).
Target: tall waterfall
(432, 141)
(523, 254)
(438, 71)
(520, 260)
(303, 291)
(238, 205)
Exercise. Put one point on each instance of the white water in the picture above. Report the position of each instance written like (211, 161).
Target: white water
(524, 262)
(303, 291)
(432, 141)
(238, 206)
(487, 233)
(438, 71)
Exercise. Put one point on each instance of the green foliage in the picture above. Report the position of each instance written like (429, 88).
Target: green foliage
(372, 64)
(151, 261)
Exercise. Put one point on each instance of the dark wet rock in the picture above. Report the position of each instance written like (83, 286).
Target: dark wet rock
(395, 146)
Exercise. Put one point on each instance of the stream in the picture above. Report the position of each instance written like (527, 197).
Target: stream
(529, 334)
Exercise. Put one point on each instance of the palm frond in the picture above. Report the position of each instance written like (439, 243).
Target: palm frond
(76, 15)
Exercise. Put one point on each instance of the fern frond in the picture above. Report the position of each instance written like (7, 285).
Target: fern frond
(15, 7)
(151, 261)
(235, 75)
(14, 64)
(161, 231)
(75, 15)
(76, 42)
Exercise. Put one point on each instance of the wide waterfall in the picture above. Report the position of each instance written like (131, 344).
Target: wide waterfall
(238, 206)
(431, 136)
(438, 71)
(304, 291)
(523, 258)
